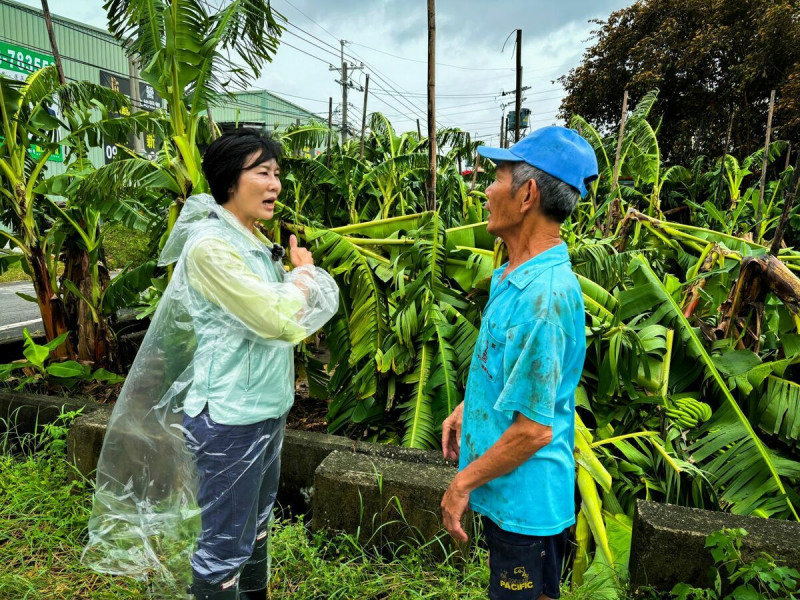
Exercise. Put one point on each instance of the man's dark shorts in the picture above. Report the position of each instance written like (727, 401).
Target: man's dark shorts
(523, 567)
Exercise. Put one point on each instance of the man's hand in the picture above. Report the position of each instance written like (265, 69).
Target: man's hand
(454, 504)
(451, 433)
(300, 257)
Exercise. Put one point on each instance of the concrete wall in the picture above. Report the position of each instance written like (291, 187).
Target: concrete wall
(668, 543)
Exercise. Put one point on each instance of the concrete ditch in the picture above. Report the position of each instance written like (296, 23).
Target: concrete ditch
(668, 543)
(315, 474)
(385, 493)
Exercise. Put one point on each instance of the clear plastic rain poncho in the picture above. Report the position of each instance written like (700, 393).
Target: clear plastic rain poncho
(219, 352)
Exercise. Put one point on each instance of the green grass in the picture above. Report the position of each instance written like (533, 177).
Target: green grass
(43, 520)
(13, 273)
(124, 246)
(42, 527)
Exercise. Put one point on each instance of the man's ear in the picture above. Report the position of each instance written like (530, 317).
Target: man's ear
(529, 196)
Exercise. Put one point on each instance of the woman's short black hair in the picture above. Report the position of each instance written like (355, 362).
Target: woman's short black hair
(225, 158)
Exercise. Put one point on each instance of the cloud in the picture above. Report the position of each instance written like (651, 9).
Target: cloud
(470, 34)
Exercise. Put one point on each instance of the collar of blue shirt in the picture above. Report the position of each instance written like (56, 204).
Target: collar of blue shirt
(530, 269)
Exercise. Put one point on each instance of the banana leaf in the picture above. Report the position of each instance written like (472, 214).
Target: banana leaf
(752, 480)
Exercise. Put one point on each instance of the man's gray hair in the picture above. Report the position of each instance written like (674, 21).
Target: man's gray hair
(558, 199)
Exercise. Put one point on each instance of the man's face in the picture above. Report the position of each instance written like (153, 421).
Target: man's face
(504, 207)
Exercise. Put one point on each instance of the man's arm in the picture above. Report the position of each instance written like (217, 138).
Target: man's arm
(519, 442)
(528, 398)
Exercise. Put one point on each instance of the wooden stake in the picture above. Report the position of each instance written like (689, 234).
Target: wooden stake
(50, 32)
(764, 167)
(790, 199)
(615, 208)
(724, 155)
(619, 139)
(475, 171)
(364, 117)
(432, 103)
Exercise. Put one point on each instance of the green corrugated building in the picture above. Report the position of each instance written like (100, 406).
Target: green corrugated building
(259, 108)
(92, 54)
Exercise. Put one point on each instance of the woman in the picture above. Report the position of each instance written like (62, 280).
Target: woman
(198, 427)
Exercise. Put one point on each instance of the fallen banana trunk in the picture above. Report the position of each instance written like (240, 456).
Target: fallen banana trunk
(758, 277)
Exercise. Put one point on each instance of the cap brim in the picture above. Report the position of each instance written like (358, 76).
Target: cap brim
(497, 155)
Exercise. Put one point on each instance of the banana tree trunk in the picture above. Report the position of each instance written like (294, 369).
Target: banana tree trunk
(50, 305)
(758, 277)
(92, 334)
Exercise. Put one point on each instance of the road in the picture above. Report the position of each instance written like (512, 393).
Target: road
(17, 313)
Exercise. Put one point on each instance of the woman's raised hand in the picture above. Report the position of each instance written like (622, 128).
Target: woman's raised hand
(300, 257)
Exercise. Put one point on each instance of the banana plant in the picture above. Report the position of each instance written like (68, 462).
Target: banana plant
(754, 481)
(32, 133)
(185, 49)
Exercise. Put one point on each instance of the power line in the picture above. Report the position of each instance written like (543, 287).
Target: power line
(312, 20)
(426, 62)
(404, 93)
(336, 54)
(397, 95)
(285, 43)
(404, 103)
(423, 94)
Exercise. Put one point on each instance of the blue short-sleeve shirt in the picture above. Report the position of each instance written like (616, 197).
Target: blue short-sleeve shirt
(528, 359)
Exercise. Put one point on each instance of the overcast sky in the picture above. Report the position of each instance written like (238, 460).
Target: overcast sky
(472, 71)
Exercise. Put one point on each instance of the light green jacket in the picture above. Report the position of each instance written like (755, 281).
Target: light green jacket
(247, 314)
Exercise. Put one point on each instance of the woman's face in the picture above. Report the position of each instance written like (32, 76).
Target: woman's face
(253, 197)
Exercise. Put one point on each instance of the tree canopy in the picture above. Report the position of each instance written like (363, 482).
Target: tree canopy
(710, 59)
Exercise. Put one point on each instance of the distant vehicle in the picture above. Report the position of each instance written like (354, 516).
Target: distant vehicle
(468, 170)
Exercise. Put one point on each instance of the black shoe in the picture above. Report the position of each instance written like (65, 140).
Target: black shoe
(225, 590)
(255, 595)
(255, 573)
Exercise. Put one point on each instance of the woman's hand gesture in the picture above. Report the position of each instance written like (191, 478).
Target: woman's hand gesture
(300, 257)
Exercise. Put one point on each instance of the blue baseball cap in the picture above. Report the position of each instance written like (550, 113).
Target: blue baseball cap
(557, 151)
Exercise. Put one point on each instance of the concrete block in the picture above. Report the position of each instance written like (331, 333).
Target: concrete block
(668, 543)
(85, 440)
(380, 500)
(304, 451)
(11, 348)
(23, 414)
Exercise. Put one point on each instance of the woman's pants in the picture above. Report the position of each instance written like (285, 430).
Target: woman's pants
(238, 468)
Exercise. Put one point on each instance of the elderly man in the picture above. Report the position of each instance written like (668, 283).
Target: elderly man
(514, 433)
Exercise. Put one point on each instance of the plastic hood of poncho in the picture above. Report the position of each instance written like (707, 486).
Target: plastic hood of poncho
(194, 213)
(145, 518)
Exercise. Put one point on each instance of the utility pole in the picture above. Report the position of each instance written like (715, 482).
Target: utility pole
(505, 134)
(432, 103)
(344, 103)
(502, 122)
(56, 55)
(419, 130)
(330, 129)
(518, 103)
(364, 117)
(345, 81)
